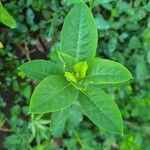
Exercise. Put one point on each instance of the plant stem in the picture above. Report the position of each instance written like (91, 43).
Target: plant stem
(5, 130)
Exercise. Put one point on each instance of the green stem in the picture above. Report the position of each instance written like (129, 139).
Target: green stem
(90, 3)
(78, 138)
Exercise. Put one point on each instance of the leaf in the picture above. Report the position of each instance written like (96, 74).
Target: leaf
(81, 69)
(135, 43)
(1, 45)
(6, 18)
(58, 120)
(97, 2)
(54, 53)
(79, 33)
(70, 77)
(75, 115)
(52, 94)
(30, 16)
(101, 110)
(148, 57)
(71, 2)
(38, 4)
(68, 61)
(101, 23)
(39, 69)
(103, 71)
(142, 70)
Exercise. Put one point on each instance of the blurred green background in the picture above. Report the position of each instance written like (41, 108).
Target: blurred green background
(124, 36)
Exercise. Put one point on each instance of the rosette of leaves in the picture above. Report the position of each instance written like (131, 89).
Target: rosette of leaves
(80, 78)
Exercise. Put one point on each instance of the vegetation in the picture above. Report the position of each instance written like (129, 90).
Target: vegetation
(70, 84)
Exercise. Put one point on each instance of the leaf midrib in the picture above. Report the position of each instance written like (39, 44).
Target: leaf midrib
(78, 41)
(67, 55)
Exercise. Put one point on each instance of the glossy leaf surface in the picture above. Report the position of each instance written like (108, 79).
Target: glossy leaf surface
(103, 71)
(6, 18)
(52, 94)
(58, 120)
(101, 110)
(79, 33)
(39, 69)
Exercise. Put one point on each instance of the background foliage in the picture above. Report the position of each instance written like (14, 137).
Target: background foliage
(124, 36)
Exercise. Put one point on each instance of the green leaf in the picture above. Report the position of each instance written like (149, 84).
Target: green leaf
(39, 69)
(58, 120)
(103, 71)
(6, 18)
(70, 77)
(81, 69)
(52, 94)
(30, 16)
(71, 2)
(68, 61)
(37, 5)
(75, 115)
(79, 33)
(1, 45)
(101, 110)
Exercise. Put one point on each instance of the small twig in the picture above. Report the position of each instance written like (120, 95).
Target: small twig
(25, 50)
(40, 46)
(27, 53)
(5, 130)
(42, 43)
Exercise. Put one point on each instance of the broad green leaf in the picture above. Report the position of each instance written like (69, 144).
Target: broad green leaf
(81, 69)
(39, 69)
(79, 33)
(58, 120)
(52, 94)
(75, 115)
(101, 110)
(103, 71)
(68, 61)
(70, 77)
(6, 18)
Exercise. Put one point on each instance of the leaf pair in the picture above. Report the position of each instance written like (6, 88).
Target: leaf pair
(60, 87)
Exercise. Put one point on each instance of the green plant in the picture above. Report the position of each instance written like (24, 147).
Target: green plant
(6, 18)
(78, 77)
